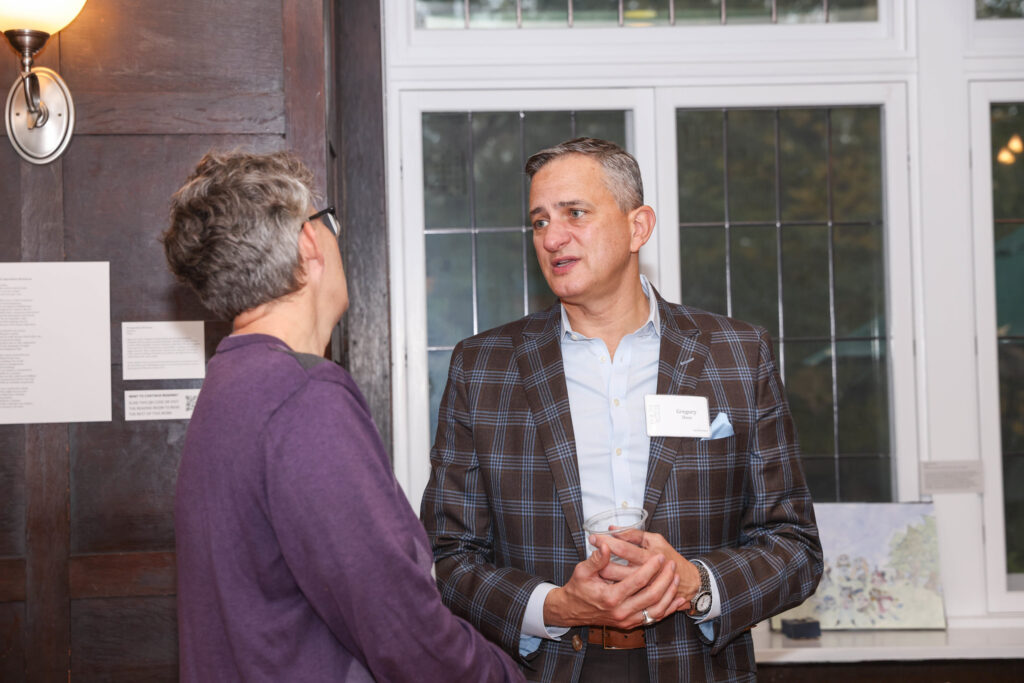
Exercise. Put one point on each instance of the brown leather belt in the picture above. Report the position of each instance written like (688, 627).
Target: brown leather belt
(616, 639)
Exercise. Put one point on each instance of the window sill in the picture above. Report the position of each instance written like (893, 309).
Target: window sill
(771, 647)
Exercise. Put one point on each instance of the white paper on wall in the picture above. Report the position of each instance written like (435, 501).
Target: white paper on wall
(54, 342)
(170, 349)
(160, 404)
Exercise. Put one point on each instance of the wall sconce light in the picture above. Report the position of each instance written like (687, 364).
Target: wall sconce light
(39, 113)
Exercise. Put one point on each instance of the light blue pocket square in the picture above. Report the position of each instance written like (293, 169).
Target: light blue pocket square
(720, 427)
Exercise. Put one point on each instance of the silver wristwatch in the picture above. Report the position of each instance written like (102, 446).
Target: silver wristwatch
(701, 603)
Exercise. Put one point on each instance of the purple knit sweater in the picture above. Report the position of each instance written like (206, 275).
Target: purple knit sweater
(299, 557)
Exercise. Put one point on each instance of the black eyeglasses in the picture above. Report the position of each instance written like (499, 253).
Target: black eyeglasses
(330, 220)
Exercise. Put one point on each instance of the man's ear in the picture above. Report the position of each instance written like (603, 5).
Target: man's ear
(641, 224)
(309, 246)
(311, 256)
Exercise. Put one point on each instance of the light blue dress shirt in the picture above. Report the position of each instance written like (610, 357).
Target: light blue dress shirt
(606, 401)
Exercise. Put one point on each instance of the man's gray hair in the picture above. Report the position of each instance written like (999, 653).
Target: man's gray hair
(621, 172)
(235, 223)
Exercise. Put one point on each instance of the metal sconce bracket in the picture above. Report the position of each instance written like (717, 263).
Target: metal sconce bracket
(40, 121)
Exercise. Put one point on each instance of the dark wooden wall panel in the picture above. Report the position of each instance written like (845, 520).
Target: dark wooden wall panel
(9, 69)
(123, 473)
(214, 48)
(366, 348)
(183, 67)
(122, 478)
(179, 113)
(86, 510)
(12, 579)
(10, 194)
(47, 608)
(12, 491)
(46, 537)
(12, 641)
(117, 194)
(305, 85)
(42, 212)
(124, 639)
(123, 574)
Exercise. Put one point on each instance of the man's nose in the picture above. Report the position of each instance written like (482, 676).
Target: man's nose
(556, 235)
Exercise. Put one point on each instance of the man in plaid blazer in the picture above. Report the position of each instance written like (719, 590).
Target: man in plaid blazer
(538, 428)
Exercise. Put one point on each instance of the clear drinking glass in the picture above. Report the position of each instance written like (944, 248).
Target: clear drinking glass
(612, 523)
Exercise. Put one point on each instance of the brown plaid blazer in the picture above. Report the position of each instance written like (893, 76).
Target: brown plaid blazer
(503, 505)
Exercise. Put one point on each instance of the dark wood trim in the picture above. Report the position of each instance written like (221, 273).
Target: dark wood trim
(362, 198)
(305, 65)
(929, 671)
(47, 472)
(47, 528)
(181, 113)
(12, 580)
(42, 212)
(122, 574)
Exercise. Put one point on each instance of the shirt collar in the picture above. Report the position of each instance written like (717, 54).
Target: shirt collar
(652, 326)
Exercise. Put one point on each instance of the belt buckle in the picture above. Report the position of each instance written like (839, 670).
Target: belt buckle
(605, 637)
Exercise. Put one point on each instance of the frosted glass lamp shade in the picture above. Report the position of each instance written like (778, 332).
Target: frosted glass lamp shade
(48, 16)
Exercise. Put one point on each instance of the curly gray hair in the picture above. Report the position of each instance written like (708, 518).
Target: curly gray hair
(234, 234)
(621, 172)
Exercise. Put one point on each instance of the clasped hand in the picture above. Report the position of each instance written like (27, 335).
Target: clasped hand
(604, 593)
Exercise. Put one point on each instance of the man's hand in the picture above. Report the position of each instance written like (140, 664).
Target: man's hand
(638, 547)
(590, 599)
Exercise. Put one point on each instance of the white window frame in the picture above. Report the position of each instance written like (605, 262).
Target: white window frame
(932, 56)
(653, 118)
(991, 37)
(892, 98)
(410, 384)
(982, 95)
(888, 37)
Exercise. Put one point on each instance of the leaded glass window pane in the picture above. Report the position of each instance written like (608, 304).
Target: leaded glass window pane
(492, 14)
(750, 155)
(999, 9)
(595, 13)
(545, 13)
(700, 148)
(1007, 122)
(781, 225)
(434, 14)
(800, 11)
(748, 12)
(481, 268)
(646, 13)
(852, 10)
(698, 12)
(475, 14)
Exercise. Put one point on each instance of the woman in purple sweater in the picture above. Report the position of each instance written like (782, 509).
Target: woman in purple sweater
(299, 557)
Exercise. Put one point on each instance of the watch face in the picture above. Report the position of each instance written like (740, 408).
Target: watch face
(703, 602)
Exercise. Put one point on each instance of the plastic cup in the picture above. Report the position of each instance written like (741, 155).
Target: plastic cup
(622, 519)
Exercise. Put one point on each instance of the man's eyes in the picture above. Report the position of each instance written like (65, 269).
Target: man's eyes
(573, 213)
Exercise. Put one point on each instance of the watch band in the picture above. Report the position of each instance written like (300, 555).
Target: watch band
(705, 589)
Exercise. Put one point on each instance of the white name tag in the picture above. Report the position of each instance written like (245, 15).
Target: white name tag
(677, 416)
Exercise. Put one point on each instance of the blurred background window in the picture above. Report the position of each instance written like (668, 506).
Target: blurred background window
(781, 224)
(449, 14)
(1007, 126)
(999, 9)
(481, 267)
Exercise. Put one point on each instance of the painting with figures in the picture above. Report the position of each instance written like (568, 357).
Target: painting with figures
(881, 568)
